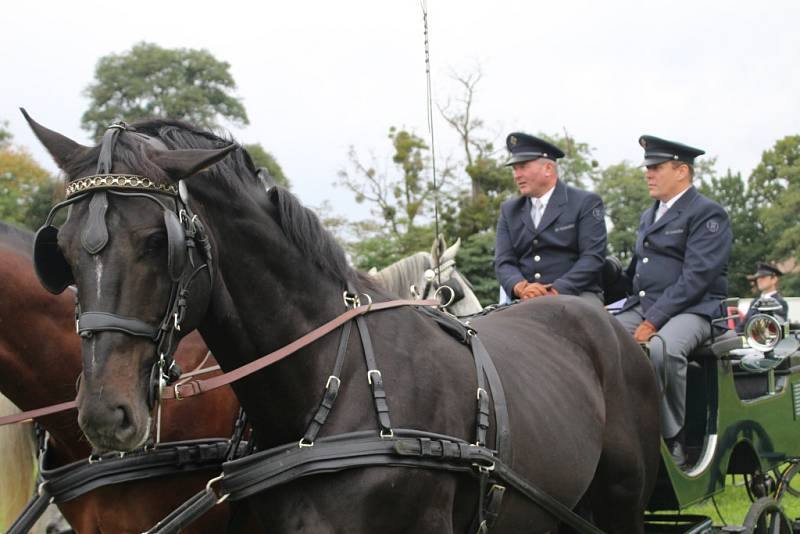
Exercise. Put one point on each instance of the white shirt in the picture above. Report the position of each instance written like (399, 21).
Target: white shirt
(664, 206)
(543, 200)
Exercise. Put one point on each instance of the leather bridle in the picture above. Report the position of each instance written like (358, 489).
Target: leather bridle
(189, 253)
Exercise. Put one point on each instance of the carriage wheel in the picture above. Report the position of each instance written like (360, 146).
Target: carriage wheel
(785, 481)
(766, 517)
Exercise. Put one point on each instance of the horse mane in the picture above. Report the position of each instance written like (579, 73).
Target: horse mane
(175, 134)
(21, 240)
(402, 273)
(303, 228)
(237, 174)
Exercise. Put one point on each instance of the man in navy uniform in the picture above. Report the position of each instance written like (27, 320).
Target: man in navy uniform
(678, 274)
(767, 279)
(551, 240)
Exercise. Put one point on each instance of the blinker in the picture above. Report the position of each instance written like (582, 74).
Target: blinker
(51, 268)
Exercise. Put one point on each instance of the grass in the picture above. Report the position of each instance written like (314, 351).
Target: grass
(734, 503)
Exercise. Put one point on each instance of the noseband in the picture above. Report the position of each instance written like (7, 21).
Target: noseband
(188, 252)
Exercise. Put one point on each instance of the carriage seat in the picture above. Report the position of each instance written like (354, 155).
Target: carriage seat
(719, 348)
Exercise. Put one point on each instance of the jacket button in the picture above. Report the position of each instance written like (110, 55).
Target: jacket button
(535, 241)
(537, 258)
(537, 276)
(647, 243)
(645, 260)
(642, 293)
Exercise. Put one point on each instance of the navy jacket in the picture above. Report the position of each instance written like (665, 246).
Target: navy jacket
(681, 261)
(566, 250)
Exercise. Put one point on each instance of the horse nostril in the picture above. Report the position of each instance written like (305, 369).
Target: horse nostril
(122, 416)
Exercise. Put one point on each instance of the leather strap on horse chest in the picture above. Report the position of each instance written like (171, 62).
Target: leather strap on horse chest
(70, 481)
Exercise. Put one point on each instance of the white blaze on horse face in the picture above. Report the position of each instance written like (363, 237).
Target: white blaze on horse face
(98, 273)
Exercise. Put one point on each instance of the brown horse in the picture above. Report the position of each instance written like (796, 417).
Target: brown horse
(259, 272)
(40, 361)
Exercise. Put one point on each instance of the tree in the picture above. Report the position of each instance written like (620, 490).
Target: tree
(749, 246)
(775, 186)
(5, 135)
(262, 158)
(399, 200)
(26, 189)
(623, 189)
(577, 167)
(150, 81)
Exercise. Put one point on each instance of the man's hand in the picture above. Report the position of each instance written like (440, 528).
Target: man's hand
(519, 288)
(535, 290)
(644, 332)
(552, 291)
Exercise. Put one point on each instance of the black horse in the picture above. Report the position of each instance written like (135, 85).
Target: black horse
(581, 395)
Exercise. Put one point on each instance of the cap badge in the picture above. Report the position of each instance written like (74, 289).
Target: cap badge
(512, 140)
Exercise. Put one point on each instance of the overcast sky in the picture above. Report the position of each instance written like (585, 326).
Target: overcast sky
(318, 76)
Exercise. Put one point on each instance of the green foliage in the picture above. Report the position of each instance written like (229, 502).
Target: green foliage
(150, 81)
(5, 135)
(476, 261)
(775, 183)
(262, 158)
(623, 189)
(26, 189)
(399, 198)
(464, 214)
(749, 245)
(378, 247)
(577, 167)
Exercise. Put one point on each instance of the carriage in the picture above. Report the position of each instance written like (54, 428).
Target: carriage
(743, 407)
(601, 438)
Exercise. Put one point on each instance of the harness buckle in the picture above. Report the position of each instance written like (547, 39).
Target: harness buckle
(303, 443)
(480, 390)
(177, 322)
(331, 379)
(351, 300)
(209, 488)
(387, 435)
(369, 375)
(484, 469)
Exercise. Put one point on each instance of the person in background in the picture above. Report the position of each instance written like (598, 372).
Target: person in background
(767, 279)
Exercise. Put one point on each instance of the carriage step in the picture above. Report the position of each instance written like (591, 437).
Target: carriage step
(677, 524)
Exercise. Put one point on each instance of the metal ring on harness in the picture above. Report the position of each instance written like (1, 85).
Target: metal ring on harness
(209, 488)
(452, 295)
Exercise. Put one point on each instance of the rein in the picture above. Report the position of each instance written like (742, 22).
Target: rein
(191, 388)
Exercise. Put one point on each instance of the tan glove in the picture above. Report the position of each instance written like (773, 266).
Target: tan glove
(644, 332)
(552, 291)
(519, 288)
(535, 290)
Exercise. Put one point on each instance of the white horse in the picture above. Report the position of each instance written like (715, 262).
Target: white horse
(18, 474)
(422, 274)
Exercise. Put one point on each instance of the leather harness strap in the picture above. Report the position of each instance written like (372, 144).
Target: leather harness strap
(196, 387)
(73, 480)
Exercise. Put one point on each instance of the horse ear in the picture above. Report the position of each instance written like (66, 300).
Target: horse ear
(62, 148)
(452, 252)
(183, 163)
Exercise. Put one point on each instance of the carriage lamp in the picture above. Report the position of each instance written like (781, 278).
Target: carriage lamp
(763, 332)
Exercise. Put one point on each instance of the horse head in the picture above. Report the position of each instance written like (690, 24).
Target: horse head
(141, 263)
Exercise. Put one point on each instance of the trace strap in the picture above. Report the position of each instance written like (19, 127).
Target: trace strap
(196, 387)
